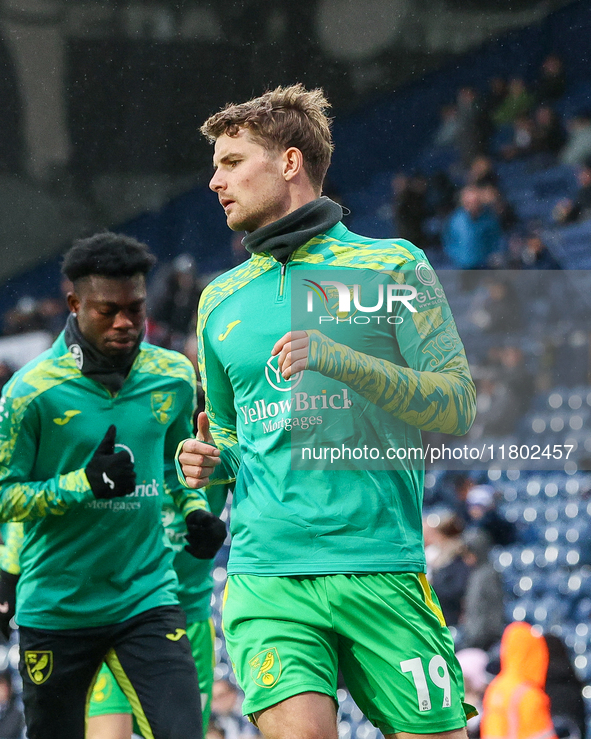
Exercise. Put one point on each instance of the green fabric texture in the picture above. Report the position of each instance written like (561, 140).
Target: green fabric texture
(289, 635)
(386, 384)
(88, 562)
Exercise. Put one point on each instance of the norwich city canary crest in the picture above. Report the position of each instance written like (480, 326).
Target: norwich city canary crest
(162, 406)
(103, 688)
(39, 665)
(265, 668)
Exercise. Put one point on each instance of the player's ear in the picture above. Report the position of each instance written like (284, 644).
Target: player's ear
(293, 162)
(73, 302)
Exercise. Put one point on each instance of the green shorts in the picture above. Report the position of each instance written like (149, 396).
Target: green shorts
(107, 697)
(386, 632)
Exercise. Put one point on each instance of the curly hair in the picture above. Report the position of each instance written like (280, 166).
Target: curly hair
(109, 255)
(283, 117)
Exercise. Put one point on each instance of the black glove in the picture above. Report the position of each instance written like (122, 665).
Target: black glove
(7, 600)
(110, 475)
(205, 533)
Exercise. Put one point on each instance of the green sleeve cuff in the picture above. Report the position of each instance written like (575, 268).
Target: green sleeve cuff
(75, 488)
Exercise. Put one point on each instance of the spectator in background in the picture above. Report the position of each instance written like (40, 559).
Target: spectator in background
(551, 84)
(441, 201)
(226, 712)
(505, 390)
(473, 663)
(473, 231)
(12, 721)
(472, 131)
(24, 317)
(548, 135)
(515, 704)
(53, 315)
(448, 573)
(579, 209)
(446, 136)
(410, 208)
(522, 139)
(176, 292)
(496, 94)
(484, 517)
(482, 172)
(483, 616)
(497, 308)
(493, 198)
(215, 732)
(535, 254)
(518, 102)
(564, 688)
(578, 142)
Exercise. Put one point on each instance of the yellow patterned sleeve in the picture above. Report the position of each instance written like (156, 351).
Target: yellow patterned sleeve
(20, 498)
(433, 389)
(10, 560)
(442, 400)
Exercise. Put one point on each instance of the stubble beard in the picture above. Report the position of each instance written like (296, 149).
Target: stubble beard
(262, 215)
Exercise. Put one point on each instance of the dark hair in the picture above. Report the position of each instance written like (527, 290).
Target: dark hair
(279, 119)
(107, 254)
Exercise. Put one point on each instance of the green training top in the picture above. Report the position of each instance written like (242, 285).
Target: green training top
(88, 562)
(379, 376)
(195, 575)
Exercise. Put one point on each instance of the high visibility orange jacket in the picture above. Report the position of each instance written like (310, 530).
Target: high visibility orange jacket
(515, 705)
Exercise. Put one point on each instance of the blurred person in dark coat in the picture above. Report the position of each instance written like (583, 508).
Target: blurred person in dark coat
(176, 292)
(483, 616)
(410, 207)
(563, 687)
(551, 84)
(485, 517)
(577, 209)
(447, 570)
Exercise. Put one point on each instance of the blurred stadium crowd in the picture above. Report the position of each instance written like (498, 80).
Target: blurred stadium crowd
(500, 200)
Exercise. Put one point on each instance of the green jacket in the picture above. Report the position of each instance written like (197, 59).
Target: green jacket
(88, 562)
(376, 384)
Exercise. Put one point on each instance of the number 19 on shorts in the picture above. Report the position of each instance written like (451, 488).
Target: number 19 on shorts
(439, 675)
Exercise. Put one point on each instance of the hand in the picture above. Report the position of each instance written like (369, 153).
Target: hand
(205, 533)
(199, 457)
(8, 583)
(293, 353)
(110, 474)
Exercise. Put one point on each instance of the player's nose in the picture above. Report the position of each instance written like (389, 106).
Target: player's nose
(216, 183)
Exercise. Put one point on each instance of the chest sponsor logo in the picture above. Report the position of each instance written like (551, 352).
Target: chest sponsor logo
(223, 336)
(261, 410)
(162, 405)
(66, 418)
(276, 379)
(265, 668)
(125, 448)
(143, 490)
(39, 665)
